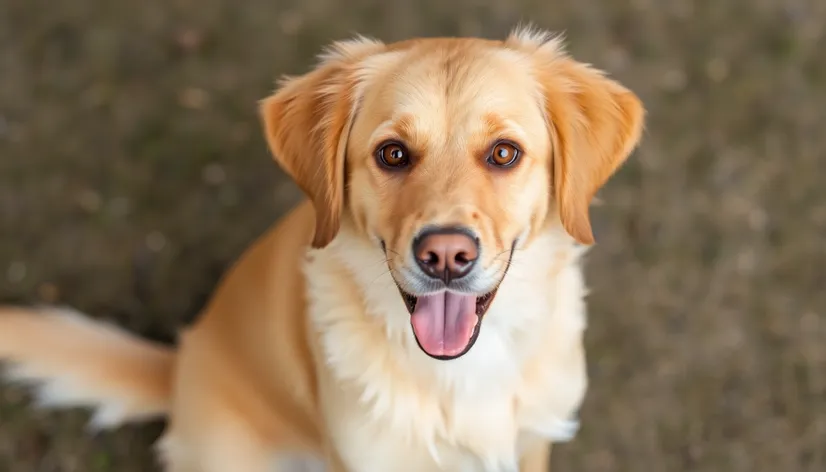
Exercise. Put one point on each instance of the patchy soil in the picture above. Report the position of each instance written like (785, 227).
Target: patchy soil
(132, 172)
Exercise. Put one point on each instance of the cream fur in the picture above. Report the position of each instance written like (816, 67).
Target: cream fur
(426, 410)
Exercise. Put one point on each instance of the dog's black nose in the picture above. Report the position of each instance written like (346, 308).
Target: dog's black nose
(446, 253)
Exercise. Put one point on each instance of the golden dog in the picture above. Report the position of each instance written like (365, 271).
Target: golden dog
(422, 311)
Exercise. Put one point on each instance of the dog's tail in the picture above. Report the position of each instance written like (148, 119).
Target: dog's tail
(73, 361)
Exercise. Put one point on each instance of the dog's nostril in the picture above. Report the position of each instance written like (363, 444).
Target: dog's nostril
(431, 258)
(462, 258)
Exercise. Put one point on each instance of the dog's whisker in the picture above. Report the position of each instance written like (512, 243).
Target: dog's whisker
(505, 261)
(379, 276)
(373, 264)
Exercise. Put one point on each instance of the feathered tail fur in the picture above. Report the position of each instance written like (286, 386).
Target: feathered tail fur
(73, 361)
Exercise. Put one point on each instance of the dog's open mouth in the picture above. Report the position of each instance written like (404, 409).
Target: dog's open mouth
(446, 324)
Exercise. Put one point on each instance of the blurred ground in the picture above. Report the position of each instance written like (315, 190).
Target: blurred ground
(132, 171)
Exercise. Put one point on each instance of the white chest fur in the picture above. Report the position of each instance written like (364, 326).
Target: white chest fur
(390, 407)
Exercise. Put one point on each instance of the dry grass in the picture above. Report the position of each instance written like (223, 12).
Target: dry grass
(132, 171)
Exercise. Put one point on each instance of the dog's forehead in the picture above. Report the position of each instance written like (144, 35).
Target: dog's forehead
(446, 83)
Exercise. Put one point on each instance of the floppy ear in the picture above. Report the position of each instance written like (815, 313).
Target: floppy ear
(307, 123)
(596, 124)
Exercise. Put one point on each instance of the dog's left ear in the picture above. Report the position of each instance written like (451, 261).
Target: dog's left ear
(307, 123)
(595, 123)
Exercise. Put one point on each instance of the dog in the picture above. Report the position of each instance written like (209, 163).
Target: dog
(421, 310)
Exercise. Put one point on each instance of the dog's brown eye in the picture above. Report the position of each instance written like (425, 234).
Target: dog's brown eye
(504, 154)
(393, 155)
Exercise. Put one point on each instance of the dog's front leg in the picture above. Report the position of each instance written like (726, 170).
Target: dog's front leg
(537, 458)
(214, 441)
(222, 452)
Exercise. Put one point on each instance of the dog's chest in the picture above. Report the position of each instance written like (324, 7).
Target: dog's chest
(416, 436)
(426, 430)
(389, 407)
(384, 415)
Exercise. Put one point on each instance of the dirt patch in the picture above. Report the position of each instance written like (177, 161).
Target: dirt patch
(132, 172)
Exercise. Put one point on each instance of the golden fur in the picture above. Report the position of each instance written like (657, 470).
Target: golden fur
(305, 353)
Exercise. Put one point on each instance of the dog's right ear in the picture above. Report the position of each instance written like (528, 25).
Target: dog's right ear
(307, 123)
(595, 123)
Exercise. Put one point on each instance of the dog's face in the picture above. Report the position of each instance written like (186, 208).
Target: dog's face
(449, 154)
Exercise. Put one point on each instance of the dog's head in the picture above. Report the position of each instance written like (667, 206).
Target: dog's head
(448, 153)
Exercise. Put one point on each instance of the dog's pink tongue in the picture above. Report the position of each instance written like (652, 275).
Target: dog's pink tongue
(443, 323)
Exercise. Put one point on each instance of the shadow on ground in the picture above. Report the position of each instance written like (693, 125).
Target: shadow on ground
(132, 172)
